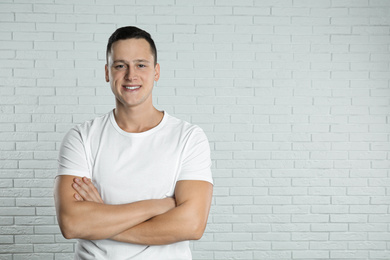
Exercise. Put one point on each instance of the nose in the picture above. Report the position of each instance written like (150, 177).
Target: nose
(130, 74)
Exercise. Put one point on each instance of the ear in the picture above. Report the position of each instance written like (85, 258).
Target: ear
(156, 72)
(106, 73)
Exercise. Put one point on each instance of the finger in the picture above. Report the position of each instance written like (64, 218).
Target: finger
(83, 190)
(95, 193)
(82, 193)
(78, 197)
(87, 190)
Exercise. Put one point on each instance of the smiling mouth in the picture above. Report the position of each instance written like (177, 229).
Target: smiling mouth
(131, 87)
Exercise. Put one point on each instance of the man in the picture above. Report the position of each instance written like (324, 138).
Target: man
(134, 183)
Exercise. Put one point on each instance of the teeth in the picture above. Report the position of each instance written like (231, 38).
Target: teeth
(131, 88)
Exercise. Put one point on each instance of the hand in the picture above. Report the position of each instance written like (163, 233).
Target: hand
(86, 191)
(162, 206)
(166, 205)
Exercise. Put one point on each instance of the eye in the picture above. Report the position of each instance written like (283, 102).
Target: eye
(141, 66)
(120, 66)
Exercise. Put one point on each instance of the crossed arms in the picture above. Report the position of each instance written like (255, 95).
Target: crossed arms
(82, 214)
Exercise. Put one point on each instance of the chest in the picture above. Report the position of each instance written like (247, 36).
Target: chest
(132, 169)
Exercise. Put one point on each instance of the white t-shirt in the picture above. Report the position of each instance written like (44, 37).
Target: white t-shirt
(128, 167)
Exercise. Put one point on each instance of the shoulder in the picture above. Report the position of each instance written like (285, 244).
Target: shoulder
(89, 127)
(183, 127)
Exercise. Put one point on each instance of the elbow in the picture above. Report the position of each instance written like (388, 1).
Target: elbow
(197, 236)
(196, 223)
(197, 230)
(68, 228)
(67, 232)
(76, 228)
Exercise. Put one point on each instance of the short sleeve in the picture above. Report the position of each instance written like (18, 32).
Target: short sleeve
(196, 164)
(72, 157)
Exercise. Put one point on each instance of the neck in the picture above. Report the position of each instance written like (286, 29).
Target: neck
(137, 119)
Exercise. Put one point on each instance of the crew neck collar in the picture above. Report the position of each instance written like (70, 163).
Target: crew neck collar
(145, 133)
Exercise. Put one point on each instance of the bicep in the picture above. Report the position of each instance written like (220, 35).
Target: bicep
(196, 195)
(63, 187)
(64, 200)
(64, 194)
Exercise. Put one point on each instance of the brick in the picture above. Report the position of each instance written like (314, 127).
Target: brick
(292, 94)
(233, 200)
(75, 18)
(379, 254)
(350, 218)
(10, 155)
(336, 245)
(292, 191)
(46, 211)
(235, 254)
(31, 239)
(378, 236)
(16, 248)
(273, 199)
(53, 248)
(6, 239)
(32, 183)
(309, 218)
(96, 9)
(366, 191)
(290, 245)
(316, 200)
(311, 254)
(368, 209)
(7, 202)
(47, 229)
(368, 245)
(34, 17)
(349, 254)
(333, 209)
(17, 64)
(350, 200)
(251, 246)
(263, 254)
(367, 227)
(30, 36)
(34, 256)
(271, 218)
(7, 17)
(217, 246)
(330, 227)
(251, 209)
(34, 220)
(5, 8)
(290, 209)
(233, 237)
(57, 8)
(33, 91)
(14, 230)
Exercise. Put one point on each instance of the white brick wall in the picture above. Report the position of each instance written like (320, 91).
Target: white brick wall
(294, 96)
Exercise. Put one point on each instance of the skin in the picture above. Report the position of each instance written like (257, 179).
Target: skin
(80, 210)
(131, 63)
(186, 221)
(88, 219)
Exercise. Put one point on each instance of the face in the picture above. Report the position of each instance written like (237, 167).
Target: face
(131, 72)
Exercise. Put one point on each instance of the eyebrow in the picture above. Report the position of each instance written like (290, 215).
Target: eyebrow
(138, 60)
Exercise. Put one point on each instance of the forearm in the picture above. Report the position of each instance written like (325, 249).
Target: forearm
(178, 224)
(89, 220)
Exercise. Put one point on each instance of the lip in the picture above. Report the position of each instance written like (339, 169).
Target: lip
(136, 87)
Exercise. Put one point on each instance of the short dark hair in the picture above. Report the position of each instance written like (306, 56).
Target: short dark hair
(131, 32)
